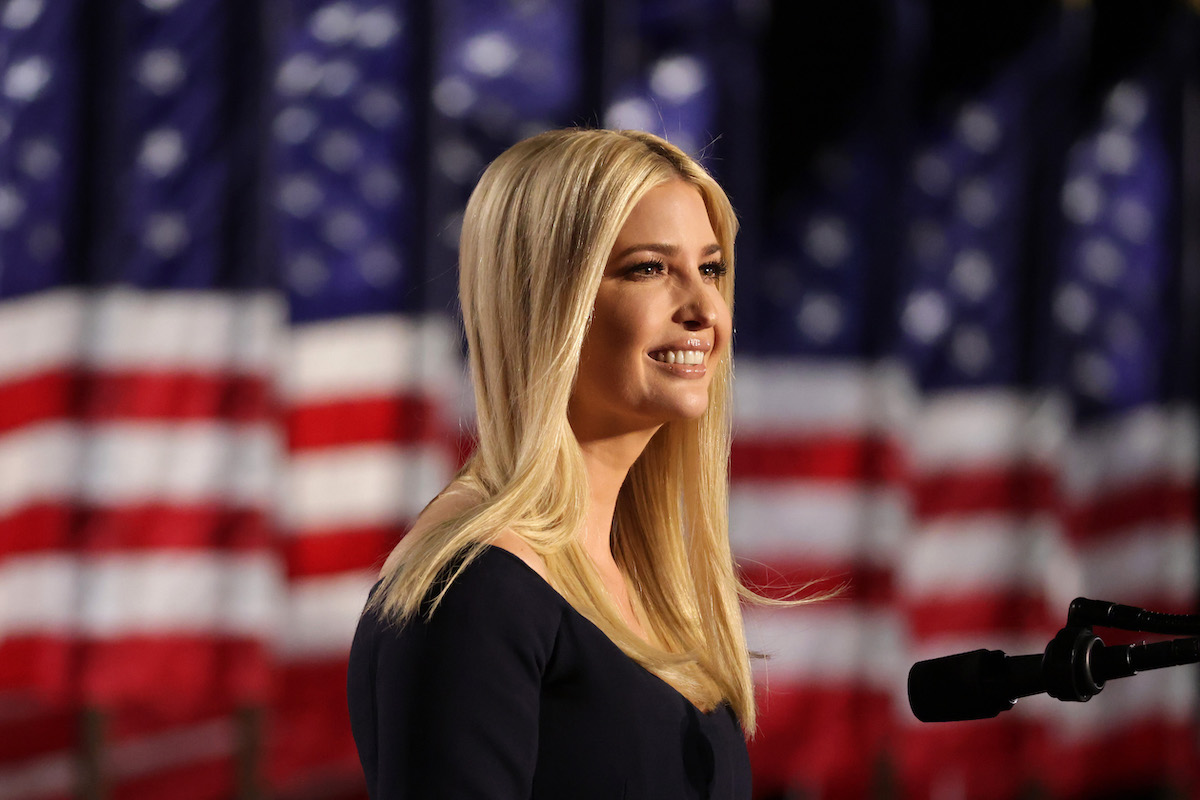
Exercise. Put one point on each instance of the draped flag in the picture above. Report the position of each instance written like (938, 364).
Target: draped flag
(962, 406)
(140, 447)
(231, 375)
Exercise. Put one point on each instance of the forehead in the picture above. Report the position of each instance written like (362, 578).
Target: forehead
(675, 210)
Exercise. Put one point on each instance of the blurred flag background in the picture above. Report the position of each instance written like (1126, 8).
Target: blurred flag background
(968, 318)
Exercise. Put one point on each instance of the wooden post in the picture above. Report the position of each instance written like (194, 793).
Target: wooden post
(248, 756)
(91, 783)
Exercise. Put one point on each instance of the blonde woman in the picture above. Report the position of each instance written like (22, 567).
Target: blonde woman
(562, 620)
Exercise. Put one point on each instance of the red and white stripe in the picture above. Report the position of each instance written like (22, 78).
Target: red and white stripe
(206, 494)
(372, 408)
(139, 461)
(956, 521)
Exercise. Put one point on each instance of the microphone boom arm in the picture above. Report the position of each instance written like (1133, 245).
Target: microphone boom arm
(1130, 618)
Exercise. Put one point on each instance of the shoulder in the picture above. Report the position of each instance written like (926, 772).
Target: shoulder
(516, 546)
(497, 581)
(497, 593)
(457, 499)
(491, 594)
(493, 609)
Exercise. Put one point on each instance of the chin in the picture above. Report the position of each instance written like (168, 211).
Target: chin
(689, 411)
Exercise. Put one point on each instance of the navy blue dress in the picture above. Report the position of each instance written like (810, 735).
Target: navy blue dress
(508, 692)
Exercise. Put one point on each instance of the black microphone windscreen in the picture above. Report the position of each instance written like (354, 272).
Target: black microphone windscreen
(959, 687)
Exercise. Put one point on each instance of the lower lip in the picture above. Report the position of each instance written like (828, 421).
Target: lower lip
(682, 370)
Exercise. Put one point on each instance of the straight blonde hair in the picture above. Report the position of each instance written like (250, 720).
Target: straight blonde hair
(537, 234)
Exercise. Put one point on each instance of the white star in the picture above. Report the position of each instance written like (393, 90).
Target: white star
(1082, 200)
(379, 185)
(161, 71)
(300, 195)
(1074, 308)
(295, 124)
(377, 27)
(20, 14)
(977, 202)
(334, 23)
(45, 241)
(453, 96)
(490, 54)
(166, 234)
(26, 79)
(978, 128)
(932, 174)
(338, 78)
(1127, 104)
(12, 206)
(1094, 375)
(1116, 152)
(827, 240)
(340, 150)
(379, 106)
(161, 6)
(820, 317)
(298, 75)
(344, 229)
(458, 161)
(632, 113)
(307, 274)
(379, 266)
(677, 78)
(925, 316)
(971, 349)
(39, 158)
(972, 274)
(163, 151)
(1103, 260)
(1132, 219)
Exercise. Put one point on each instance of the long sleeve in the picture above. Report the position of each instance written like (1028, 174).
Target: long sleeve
(449, 707)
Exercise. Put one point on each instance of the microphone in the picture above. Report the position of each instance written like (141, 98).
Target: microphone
(975, 685)
(1075, 666)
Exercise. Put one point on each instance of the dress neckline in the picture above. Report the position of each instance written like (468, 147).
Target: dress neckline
(710, 714)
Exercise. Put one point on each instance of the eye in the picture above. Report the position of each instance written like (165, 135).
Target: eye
(713, 269)
(646, 269)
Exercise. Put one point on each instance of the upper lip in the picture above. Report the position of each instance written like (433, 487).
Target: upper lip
(686, 344)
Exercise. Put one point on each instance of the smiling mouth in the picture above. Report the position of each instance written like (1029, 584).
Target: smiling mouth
(685, 357)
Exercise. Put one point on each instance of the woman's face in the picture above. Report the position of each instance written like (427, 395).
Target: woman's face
(660, 325)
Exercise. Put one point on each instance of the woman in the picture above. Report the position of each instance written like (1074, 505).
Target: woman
(562, 621)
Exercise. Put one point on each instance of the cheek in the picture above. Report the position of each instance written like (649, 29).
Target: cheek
(605, 355)
(723, 326)
(619, 328)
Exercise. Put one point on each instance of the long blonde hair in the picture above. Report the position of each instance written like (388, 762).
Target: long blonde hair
(536, 237)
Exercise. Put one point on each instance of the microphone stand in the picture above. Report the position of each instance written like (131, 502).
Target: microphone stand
(1075, 665)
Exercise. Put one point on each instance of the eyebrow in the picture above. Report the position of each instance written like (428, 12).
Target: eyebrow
(664, 249)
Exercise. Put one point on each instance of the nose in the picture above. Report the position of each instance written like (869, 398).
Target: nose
(697, 309)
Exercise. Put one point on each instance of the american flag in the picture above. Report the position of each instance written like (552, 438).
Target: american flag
(231, 376)
(1003, 430)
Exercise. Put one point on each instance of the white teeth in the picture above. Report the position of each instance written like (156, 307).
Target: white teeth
(690, 357)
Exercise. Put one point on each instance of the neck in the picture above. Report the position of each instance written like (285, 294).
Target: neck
(608, 461)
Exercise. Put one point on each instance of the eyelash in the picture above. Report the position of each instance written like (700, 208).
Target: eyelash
(718, 268)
